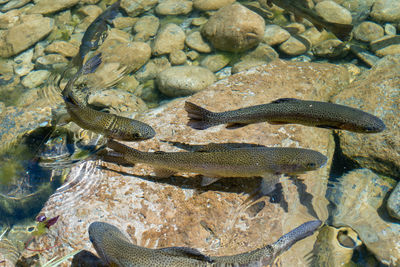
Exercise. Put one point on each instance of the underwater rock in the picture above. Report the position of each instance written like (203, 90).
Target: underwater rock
(177, 211)
(234, 28)
(332, 48)
(177, 57)
(275, 35)
(368, 31)
(206, 5)
(35, 78)
(295, 46)
(334, 246)
(376, 91)
(22, 36)
(169, 38)
(50, 6)
(9, 18)
(184, 80)
(263, 54)
(358, 197)
(14, 4)
(333, 12)
(215, 62)
(387, 45)
(137, 7)
(386, 10)
(146, 27)
(150, 70)
(196, 42)
(393, 202)
(174, 7)
(61, 47)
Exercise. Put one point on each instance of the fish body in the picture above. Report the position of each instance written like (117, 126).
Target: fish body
(289, 110)
(116, 250)
(96, 32)
(240, 162)
(299, 8)
(110, 125)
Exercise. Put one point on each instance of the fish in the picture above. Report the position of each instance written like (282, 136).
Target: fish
(300, 9)
(288, 110)
(96, 33)
(223, 162)
(115, 249)
(110, 125)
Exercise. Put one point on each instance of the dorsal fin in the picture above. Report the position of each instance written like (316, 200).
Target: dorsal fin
(283, 100)
(191, 253)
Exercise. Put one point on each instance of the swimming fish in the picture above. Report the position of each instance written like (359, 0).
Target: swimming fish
(223, 162)
(96, 33)
(115, 249)
(301, 10)
(288, 110)
(110, 125)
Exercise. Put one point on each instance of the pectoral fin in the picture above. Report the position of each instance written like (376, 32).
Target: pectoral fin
(205, 181)
(163, 173)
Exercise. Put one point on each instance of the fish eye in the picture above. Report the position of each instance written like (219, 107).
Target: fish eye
(311, 165)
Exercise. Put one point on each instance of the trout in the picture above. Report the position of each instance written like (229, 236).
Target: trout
(115, 249)
(288, 110)
(300, 10)
(223, 162)
(110, 125)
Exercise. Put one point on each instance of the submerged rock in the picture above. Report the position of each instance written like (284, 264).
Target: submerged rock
(176, 211)
(386, 10)
(393, 202)
(170, 38)
(377, 91)
(51, 6)
(358, 197)
(234, 28)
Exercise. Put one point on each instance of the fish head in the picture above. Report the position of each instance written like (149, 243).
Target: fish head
(299, 160)
(366, 123)
(135, 131)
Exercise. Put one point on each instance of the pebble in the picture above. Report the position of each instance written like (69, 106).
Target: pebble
(368, 31)
(177, 57)
(124, 22)
(206, 5)
(192, 55)
(393, 202)
(333, 12)
(234, 28)
(23, 63)
(50, 6)
(52, 61)
(137, 7)
(390, 29)
(35, 78)
(386, 10)
(215, 62)
(152, 68)
(199, 21)
(295, 28)
(146, 27)
(170, 38)
(295, 46)
(332, 48)
(19, 37)
(387, 45)
(196, 42)
(14, 4)
(275, 35)
(9, 18)
(184, 80)
(313, 35)
(364, 55)
(62, 47)
(174, 7)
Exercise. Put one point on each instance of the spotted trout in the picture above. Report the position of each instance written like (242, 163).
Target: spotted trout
(240, 162)
(115, 249)
(96, 33)
(288, 110)
(301, 10)
(110, 125)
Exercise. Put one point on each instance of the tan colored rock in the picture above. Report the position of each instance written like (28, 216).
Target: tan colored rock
(14, 4)
(174, 7)
(333, 12)
(124, 22)
(368, 31)
(196, 42)
(386, 10)
(21, 36)
(169, 38)
(50, 6)
(146, 27)
(9, 18)
(234, 28)
(137, 7)
(170, 212)
(275, 35)
(376, 91)
(64, 48)
(206, 5)
(295, 46)
(177, 57)
(332, 48)
(357, 198)
(35, 78)
(215, 62)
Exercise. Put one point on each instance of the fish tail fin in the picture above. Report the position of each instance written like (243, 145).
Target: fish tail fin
(297, 234)
(123, 149)
(199, 118)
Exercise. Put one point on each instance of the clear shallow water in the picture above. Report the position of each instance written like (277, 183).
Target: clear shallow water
(25, 171)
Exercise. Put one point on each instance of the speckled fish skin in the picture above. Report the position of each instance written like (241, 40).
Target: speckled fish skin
(241, 162)
(110, 125)
(115, 249)
(96, 32)
(299, 8)
(289, 110)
